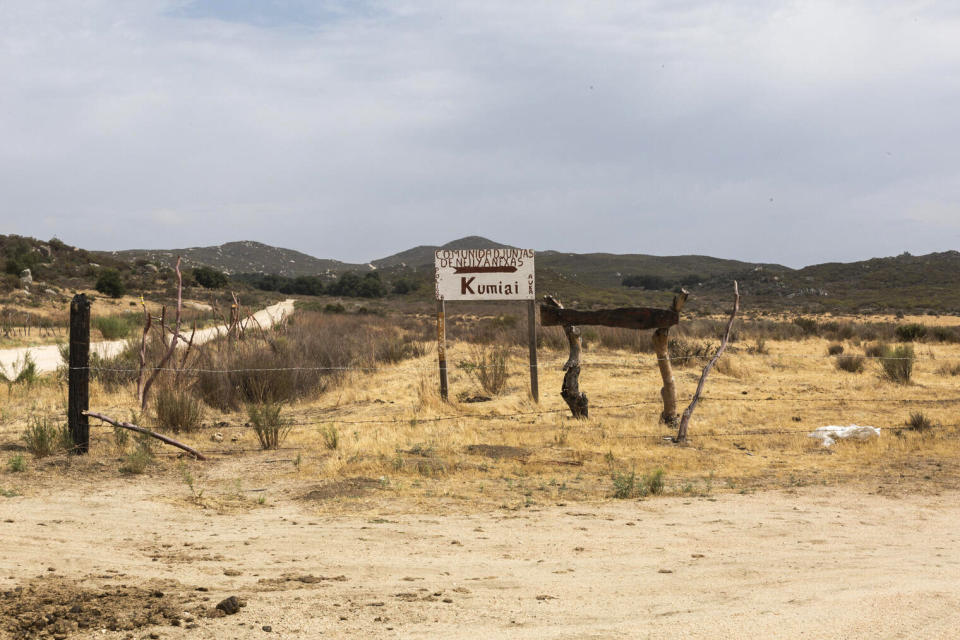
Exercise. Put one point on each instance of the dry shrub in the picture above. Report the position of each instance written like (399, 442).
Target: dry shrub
(176, 408)
(949, 370)
(898, 363)
(299, 360)
(730, 366)
(835, 349)
(851, 363)
(876, 350)
(688, 353)
(488, 366)
(45, 437)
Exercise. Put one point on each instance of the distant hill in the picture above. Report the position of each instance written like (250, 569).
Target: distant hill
(422, 255)
(930, 282)
(242, 257)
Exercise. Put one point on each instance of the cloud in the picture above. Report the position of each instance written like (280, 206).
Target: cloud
(353, 130)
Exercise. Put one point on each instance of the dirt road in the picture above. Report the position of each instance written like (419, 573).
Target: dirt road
(818, 563)
(48, 359)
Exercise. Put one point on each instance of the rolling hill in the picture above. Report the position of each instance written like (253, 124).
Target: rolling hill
(245, 256)
(905, 282)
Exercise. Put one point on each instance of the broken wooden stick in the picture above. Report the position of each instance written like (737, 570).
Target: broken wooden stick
(570, 390)
(685, 420)
(132, 427)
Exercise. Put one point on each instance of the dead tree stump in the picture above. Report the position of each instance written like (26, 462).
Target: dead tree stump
(570, 391)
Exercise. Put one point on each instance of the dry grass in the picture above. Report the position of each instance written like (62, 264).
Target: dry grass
(391, 425)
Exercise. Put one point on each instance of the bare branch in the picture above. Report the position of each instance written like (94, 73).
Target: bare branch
(685, 420)
(173, 341)
(162, 438)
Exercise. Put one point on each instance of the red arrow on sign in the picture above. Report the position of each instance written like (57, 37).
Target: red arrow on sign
(484, 269)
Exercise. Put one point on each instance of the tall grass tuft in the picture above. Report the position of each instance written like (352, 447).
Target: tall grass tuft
(331, 437)
(177, 409)
(270, 428)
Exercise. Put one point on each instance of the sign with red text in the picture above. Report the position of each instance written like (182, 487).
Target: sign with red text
(484, 274)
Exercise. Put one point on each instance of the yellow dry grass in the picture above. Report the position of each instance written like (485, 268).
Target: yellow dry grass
(749, 431)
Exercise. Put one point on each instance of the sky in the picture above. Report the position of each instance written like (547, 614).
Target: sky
(783, 132)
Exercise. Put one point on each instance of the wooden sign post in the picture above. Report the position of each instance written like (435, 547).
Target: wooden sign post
(486, 274)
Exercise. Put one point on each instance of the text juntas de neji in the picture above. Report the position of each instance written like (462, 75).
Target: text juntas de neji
(483, 257)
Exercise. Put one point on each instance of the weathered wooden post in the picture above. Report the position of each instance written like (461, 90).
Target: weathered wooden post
(553, 314)
(442, 348)
(532, 338)
(570, 389)
(660, 341)
(78, 376)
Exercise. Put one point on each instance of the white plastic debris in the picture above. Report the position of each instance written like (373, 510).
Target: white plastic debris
(831, 433)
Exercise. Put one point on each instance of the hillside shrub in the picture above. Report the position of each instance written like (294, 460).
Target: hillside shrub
(110, 283)
(835, 349)
(210, 278)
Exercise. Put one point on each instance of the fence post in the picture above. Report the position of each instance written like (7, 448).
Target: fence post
(78, 374)
(442, 348)
(532, 337)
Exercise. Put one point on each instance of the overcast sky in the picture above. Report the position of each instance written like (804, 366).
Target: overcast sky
(793, 132)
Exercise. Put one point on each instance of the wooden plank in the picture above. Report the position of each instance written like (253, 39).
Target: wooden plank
(626, 318)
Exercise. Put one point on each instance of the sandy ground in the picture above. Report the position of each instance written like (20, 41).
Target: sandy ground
(815, 562)
(47, 357)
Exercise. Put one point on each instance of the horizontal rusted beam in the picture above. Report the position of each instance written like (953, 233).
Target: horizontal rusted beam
(626, 318)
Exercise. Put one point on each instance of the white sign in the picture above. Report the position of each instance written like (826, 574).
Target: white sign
(484, 274)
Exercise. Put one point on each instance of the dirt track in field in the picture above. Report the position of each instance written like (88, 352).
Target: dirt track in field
(47, 357)
(818, 562)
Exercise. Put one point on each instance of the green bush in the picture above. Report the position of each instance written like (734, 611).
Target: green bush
(110, 283)
(898, 363)
(210, 278)
(117, 327)
(912, 332)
